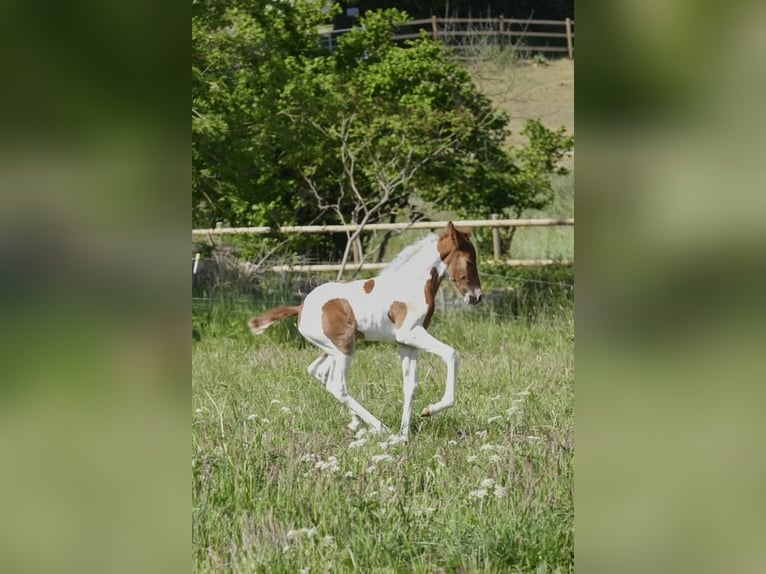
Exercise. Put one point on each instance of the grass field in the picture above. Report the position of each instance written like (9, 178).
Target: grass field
(280, 484)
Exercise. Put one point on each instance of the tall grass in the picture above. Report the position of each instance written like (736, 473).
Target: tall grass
(280, 484)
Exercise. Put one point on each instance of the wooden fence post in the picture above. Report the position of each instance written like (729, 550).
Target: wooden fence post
(434, 28)
(496, 238)
(501, 29)
(568, 24)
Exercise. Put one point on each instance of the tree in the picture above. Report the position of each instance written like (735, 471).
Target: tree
(287, 132)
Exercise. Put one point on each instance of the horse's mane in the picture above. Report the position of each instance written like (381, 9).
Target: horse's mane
(408, 254)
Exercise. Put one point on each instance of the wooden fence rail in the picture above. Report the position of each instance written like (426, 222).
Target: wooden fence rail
(543, 222)
(378, 266)
(509, 31)
(495, 223)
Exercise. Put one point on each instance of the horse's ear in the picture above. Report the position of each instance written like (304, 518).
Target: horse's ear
(453, 231)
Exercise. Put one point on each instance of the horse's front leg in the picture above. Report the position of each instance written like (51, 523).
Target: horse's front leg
(419, 338)
(409, 356)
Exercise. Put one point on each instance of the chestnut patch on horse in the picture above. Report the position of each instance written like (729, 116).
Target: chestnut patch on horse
(397, 312)
(339, 324)
(432, 286)
(369, 285)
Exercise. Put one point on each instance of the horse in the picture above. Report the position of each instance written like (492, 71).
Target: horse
(396, 306)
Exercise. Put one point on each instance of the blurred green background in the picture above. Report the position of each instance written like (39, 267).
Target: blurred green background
(669, 311)
(94, 180)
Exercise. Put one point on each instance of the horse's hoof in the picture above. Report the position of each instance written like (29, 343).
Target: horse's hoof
(426, 412)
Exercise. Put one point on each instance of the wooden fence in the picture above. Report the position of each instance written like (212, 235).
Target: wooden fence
(495, 223)
(555, 36)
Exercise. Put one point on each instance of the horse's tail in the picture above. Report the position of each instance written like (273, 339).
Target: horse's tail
(262, 322)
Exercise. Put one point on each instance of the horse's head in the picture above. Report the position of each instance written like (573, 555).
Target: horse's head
(459, 255)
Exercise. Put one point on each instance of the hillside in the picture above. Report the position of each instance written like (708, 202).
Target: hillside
(541, 89)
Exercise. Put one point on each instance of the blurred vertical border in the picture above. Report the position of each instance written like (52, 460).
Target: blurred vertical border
(94, 339)
(670, 250)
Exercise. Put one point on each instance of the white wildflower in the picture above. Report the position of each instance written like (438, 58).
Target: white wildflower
(252, 417)
(357, 443)
(394, 439)
(265, 421)
(328, 541)
(198, 411)
(285, 410)
(276, 402)
(452, 442)
(486, 447)
(481, 433)
(308, 457)
(296, 534)
(500, 491)
(490, 420)
(370, 469)
(381, 457)
(530, 437)
(331, 464)
(472, 458)
(495, 458)
(390, 489)
(487, 483)
(478, 494)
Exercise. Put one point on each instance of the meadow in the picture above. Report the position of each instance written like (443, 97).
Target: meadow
(280, 484)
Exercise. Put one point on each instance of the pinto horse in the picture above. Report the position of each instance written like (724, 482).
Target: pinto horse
(396, 306)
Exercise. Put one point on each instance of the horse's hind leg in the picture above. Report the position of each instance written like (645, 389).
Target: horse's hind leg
(336, 385)
(321, 368)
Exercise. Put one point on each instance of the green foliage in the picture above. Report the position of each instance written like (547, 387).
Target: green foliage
(243, 52)
(286, 132)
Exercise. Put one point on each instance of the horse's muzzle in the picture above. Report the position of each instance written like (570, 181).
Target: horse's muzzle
(474, 298)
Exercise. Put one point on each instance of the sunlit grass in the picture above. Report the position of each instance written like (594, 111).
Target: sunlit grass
(280, 484)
